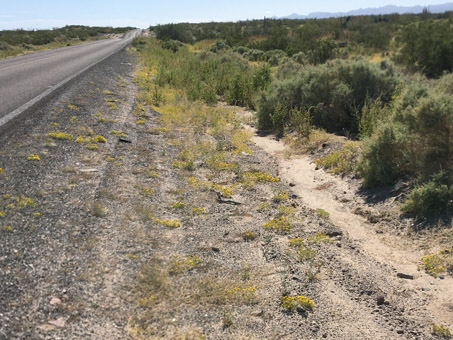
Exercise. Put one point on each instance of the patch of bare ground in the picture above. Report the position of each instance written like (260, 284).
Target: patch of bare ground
(175, 225)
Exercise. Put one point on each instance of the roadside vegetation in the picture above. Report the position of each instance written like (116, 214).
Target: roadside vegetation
(383, 82)
(15, 42)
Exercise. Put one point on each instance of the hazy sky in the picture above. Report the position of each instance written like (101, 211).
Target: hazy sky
(31, 14)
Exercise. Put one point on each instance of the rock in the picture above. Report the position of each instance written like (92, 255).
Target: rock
(258, 312)
(55, 301)
(292, 184)
(405, 276)
(400, 331)
(60, 322)
(215, 249)
(426, 289)
(380, 300)
(89, 170)
(334, 233)
(125, 140)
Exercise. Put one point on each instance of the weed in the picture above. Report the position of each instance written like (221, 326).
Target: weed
(289, 303)
(441, 331)
(248, 236)
(170, 223)
(73, 107)
(6, 228)
(296, 242)
(319, 237)
(321, 212)
(198, 211)
(34, 157)
(60, 135)
(280, 224)
(438, 263)
(227, 319)
(343, 161)
(179, 264)
(252, 177)
(306, 253)
(140, 122)
(280, 196)
(178, 205)
(117, 133)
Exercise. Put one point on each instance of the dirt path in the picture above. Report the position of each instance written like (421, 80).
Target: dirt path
(319, 189)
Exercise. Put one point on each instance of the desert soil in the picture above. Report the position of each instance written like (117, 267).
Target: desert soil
(113, 241)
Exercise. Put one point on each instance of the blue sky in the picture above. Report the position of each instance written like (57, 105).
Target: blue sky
(32, 14)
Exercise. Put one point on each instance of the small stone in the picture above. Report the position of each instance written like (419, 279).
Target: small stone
(292, 184)
(89, 170)
(424, 289)
(405, 276)
(125, 140)
(257, 313)
(60, 322)
(400, 331)
(55, 301)
(215, 249)
(380, 300)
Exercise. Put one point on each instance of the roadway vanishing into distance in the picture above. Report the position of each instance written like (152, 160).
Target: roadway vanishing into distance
(28, 79)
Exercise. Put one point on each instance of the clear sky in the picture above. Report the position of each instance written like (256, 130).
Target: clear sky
(32, 14)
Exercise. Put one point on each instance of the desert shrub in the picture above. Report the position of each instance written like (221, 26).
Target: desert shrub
(219, 45)
(300, 58)
(433, 196)
(335, 93)
(253, 55)
(288, 70)
(172, 45)
(275, 57)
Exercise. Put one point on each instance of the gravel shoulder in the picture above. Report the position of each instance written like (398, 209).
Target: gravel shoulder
(176, 227)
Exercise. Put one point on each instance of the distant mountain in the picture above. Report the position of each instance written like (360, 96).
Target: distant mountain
(390, 9)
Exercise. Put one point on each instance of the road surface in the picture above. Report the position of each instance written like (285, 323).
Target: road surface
(28, 79)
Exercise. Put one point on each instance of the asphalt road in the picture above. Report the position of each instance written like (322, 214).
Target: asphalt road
(28, 79)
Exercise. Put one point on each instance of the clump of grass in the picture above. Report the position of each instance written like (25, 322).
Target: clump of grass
(280, 224)
(441, 331)
(140, 122)
(289, 303)
(242, 294)
(170, 223)
(438, 263)
(147, 191)
(60, 135)
(198, 211)
(321, 212)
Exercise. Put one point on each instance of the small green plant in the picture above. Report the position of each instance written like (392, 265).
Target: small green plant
(321, 212)
(438, 263)
(341, 162)
(6, 228)
(73, 107)
(60, 135)
(179, 264)
(248, 236)
(296, 242)
(34, 157)
(306, 253)
(280, 196)
(281, 224)
(198, 211)
(178, 205)
(289, 303)
(441, 331)
(227, 319)
(319, 238)
(170, 223)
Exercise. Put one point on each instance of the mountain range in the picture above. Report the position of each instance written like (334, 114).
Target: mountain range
(390, 9)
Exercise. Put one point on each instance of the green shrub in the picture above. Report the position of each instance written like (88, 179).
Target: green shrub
(434, 196)
(335, 93)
